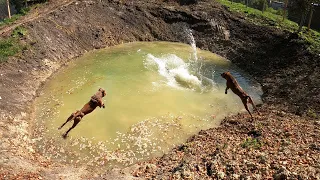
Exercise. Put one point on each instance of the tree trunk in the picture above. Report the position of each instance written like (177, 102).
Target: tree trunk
(9, 12)
(263, 5)
(310, 17)
(303, 18)
(285, 9)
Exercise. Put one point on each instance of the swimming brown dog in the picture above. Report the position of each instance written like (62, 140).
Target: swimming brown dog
(96, 100)
(235, 87)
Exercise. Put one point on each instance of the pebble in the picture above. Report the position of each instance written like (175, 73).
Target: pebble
(221, 175)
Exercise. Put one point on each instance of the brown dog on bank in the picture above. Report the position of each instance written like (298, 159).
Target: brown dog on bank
(235, 87)
(96, 100)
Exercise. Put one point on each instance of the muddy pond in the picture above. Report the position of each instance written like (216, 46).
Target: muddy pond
(158, 95)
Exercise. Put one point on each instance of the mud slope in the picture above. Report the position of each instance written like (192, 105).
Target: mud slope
(278, 60)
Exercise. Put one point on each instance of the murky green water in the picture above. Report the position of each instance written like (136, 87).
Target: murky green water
(157, 97)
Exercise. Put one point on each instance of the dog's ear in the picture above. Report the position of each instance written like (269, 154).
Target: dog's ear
(223, 74)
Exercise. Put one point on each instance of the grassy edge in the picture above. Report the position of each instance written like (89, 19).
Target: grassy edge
(8, 21)
(312, 37)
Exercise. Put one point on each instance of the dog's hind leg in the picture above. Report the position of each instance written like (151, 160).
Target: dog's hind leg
(245, 103)
(75, 123)
(253, 105)
(69, 119)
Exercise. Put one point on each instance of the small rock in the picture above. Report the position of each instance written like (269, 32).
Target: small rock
(186, 174)
(221, 175)
(262, 159)
(281, 174)
(150, 167)
(23, 114)
(235, 176)
(314, 147)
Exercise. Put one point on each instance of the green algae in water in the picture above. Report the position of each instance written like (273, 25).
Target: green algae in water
(158, 95)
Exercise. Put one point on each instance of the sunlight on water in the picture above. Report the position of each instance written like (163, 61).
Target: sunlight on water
(155, 100)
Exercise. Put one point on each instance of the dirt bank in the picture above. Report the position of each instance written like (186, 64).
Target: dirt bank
(278, 60)
(276, 145)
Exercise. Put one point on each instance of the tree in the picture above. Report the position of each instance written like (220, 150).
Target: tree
(303, 8)
(285, 9)
(311, 12)
(9, 12)
(18, 4)
(310, 16)
(300, 8)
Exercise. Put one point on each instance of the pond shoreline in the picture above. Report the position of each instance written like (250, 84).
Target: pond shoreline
(288, 74)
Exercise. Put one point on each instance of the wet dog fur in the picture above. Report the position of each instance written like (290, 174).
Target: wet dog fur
(95, 101)
(235, 87)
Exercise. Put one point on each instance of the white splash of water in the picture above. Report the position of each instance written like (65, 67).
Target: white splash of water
(178, 73)
(195, 64)
(193, 45)
(174, 69)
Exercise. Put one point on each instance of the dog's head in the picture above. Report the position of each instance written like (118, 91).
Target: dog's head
(103, 92)
(225, 74)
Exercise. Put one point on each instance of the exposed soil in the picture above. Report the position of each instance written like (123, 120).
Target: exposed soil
(288, 73)
(276, 145)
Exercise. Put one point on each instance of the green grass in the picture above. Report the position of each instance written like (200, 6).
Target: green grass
(8, 47)
(19, 32)
(274, 18)
(252, 143)
(312, 113)
(11, 46)
(14, 17)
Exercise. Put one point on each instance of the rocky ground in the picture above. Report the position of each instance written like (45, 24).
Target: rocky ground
(281, 142)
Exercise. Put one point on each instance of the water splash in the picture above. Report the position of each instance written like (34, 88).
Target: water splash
(193, 45)
(175, 70)
(181, 74)
(195, 63)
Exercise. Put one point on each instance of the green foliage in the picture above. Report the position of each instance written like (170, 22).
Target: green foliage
(9, 20)
(252, 143)
(20, 4)
(13, 18)
(19, 32)
(10, 46)
(258, 4)
(273, 11)
(311, 113)
(274, 18)
(24, 11)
